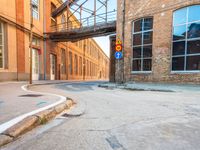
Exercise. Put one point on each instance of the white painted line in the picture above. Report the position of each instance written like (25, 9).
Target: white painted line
(14, 121)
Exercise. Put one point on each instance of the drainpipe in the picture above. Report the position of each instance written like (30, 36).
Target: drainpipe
(123, 36)
(44, 42)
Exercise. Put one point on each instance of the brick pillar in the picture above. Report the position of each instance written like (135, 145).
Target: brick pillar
(20, 37)
(162, 46)
(119, 73)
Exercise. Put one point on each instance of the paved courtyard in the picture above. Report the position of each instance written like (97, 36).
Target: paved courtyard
(117, 119)
(14, 101)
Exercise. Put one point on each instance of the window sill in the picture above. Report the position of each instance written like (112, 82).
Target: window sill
(141, 72)
(185, 72)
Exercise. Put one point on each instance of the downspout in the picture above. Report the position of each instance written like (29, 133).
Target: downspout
(44, 42)
(123, 38)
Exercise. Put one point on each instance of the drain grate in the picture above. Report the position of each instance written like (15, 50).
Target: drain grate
(31, 95)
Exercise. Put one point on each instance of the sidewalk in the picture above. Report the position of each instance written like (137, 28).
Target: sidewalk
(162, 87)
(14, 101)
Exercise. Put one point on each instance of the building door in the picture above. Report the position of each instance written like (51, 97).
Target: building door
(35, 64)
(52, 67)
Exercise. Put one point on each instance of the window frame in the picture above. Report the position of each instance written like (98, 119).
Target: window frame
(141, 45)
(186, 40)
(37, 12)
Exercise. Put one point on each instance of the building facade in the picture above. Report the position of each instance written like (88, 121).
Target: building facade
(81, 60)
(161, 41)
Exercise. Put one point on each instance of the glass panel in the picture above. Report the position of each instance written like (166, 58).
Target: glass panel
(136, 65)
(194, 30)
(147, 37)
(137, 52)
(147, 65)
(148, 24)
(138, 26)
(180, 16)
(193, 13)
(137, 39)
(193, 47)
(178, 63)
(179, 48)
(147, 51)
(193, 62)
(179, 32)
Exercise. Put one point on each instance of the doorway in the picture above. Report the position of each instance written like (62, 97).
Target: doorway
(35, 66)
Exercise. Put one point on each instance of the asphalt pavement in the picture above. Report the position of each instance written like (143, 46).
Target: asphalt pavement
(118, 119)
(14, 101)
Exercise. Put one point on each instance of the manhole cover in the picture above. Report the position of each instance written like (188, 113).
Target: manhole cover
(30, 95)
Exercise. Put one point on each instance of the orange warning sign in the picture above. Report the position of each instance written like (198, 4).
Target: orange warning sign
(118, 47)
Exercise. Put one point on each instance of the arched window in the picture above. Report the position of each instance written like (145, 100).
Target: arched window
(142, 45)
(186, 39)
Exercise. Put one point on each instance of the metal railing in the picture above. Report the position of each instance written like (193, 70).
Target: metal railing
(88, 23)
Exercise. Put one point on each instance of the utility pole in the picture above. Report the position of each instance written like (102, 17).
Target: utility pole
(31, 39)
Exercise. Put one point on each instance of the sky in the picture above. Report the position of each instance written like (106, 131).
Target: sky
(103, 42)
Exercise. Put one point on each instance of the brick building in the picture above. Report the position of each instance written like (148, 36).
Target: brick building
(161, 41)
(51, 60)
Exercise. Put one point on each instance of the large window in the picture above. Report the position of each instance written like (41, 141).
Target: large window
(35, 9)
(1, 45)
(142, 45)
(186, 39)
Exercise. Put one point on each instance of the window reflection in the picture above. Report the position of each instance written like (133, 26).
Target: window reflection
(138, 26)
(137, 39)
(180, 16)
(179, 48)
(193, 47)
(136, 65)
(178, 63)
(148, 25)
(194, 30)
(179, 32)
(147, 37)
(193, 63)
(193, 13)
(136, 52)
(147, 51)
(186, 48)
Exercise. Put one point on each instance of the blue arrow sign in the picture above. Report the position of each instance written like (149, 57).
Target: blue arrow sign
(118, 55)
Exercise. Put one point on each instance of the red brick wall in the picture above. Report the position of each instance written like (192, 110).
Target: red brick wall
(162, 13)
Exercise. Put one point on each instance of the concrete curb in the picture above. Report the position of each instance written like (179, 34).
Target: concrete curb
(32, 121)
(36, 119)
